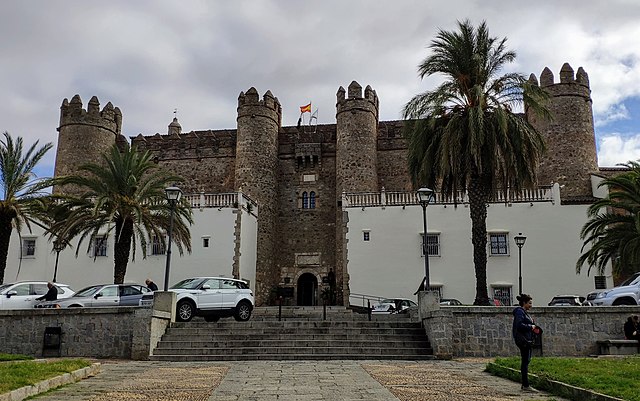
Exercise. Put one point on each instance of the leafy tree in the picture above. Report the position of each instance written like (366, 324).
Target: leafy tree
(124, 197)
(463, 136)
(612, 232)
(19, 189)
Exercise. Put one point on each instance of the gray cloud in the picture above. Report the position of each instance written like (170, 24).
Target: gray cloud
(149, 57)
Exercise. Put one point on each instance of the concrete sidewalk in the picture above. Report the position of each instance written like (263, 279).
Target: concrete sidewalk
(457, 380)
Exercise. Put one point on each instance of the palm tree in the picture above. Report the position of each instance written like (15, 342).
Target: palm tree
(124, 197)
(612, 232)
(463, 135)
(19, 189)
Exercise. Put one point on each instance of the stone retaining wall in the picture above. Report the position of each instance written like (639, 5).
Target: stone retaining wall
(486, 331)
(122, 332)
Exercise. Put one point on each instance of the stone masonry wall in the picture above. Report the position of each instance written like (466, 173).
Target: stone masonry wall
(86, 332)
(486, 331)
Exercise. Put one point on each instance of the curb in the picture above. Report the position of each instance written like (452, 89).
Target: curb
(550, 386)
(50, 384)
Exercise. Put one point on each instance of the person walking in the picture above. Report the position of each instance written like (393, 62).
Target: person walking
(51, 295)
(631, 328)
(151, 285)
(523, 335)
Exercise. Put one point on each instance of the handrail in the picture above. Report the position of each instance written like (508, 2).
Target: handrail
(364, 298)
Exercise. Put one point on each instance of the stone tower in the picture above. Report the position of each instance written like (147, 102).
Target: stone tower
(84, 135)
(356, 161)
(256, 170)
(569, 135)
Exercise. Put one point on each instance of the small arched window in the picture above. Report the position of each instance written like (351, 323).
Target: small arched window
(312, 200)
(305, 200)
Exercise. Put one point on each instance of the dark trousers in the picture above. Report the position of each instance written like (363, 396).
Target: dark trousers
(525, 358)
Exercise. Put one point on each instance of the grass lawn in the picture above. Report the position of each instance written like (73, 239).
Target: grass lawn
(14, 357)
(14, 375)
(617, 377)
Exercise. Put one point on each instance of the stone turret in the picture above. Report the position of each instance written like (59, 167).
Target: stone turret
(569, 135)
(84, 135)
(256, 169)
(356, 140)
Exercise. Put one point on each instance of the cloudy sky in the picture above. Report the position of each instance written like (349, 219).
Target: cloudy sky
(151, 57)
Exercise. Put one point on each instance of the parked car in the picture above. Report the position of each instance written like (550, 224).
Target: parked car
(213, 298)
(568, 300)
(450, 302)
(23, 294)
(394, 305)
(101, 295)
(627, 293)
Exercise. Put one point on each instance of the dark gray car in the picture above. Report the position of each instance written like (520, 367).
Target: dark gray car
(102, 295)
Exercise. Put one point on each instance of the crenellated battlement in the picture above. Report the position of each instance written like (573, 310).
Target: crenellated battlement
(72, 112)
(570, 84)
(249, 103)
(353, 99)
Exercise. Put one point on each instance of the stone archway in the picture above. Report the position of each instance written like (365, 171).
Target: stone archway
(307, 290)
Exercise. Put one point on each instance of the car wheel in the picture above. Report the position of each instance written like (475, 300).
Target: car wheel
(623, 301)
(211, 318)
(185, 310)
(243, 311)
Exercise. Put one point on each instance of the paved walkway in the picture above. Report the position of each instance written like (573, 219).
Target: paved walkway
(458, 380)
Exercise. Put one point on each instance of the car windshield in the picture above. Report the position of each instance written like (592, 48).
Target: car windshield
(89, 291)
(630, 279)
(4, 287)
(388, 301)
(188, 284)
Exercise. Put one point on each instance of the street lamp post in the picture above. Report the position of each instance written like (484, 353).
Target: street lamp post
(520, 239)
(173, 195)
(425, 195)
(58, 246)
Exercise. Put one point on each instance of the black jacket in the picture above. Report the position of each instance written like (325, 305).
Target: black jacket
(51, 295)
(522, 327)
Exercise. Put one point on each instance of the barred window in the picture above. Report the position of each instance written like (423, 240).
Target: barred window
(366, 236)
(99, 245)
(499, 243)
(502, 294)
(305, 200)
(312, 200)
(28, 247)
(433, 244)
(158, 245)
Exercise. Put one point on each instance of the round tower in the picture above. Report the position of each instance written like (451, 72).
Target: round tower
(84, 135)
(571, 146)
(356, 140)
(258, 124)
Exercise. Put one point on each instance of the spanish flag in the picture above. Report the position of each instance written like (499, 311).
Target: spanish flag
(305, 109)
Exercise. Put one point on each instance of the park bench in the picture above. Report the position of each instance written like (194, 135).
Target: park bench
(618, 347)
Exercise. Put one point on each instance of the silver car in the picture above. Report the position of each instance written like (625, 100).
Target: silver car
(23, 294)
(101, 296)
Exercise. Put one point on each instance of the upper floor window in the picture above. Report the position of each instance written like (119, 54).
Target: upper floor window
(28, 247)
(309, 200)
(158, 245)
(366, 236)
(312, 200)
(433, 245)
(99, 245)
(498, 243)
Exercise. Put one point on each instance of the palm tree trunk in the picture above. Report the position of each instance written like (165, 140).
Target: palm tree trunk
(122, 249)
(5, 238)
(478, 197)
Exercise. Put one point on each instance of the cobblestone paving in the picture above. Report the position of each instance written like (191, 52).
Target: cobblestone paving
(458, 380)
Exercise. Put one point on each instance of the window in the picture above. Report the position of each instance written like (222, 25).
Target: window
(366, 236)
(205, 242)
(312, 200)
(111, 291)
(433, 244)
(437, 288)
(600, 282)
(158, 245)
(503, 294)
(100, 245)
(28, 247)
(499, 244)
(305, 200)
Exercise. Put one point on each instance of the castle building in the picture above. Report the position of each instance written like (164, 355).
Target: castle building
(288, 206)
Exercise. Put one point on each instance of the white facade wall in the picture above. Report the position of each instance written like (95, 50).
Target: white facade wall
(390, 263)
(212, 223)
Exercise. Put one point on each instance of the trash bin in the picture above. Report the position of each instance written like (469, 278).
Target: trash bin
(52, 341)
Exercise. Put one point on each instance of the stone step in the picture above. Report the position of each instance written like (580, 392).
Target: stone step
(287, 357)
(295, 323)
(305, 343)
(377, 352)
(288, 337)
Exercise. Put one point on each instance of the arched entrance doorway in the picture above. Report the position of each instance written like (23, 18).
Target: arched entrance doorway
(307, 288)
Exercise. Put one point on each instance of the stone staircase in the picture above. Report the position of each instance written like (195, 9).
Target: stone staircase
(301, 334)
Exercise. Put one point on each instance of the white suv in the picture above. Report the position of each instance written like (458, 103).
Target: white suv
(23, 294)
(627, 293)
(213, 298)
